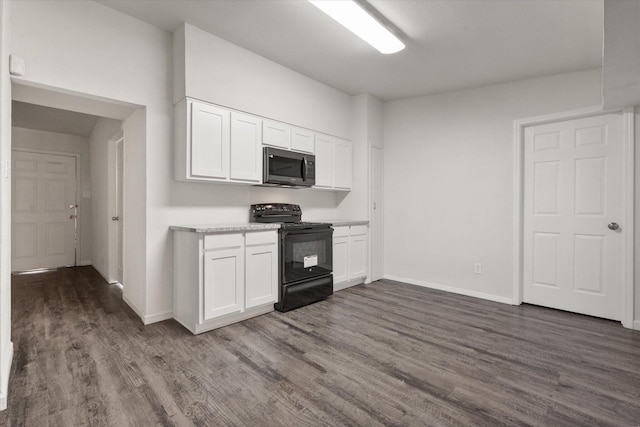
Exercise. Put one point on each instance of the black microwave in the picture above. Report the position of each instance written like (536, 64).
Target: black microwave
(281, 167)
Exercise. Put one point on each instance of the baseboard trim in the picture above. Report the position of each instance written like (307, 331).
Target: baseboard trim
(86, 262)
(636, 325)
(4, 392)
(158, 317)
(452, 289)
(134, 307)
(148, 319)
(100, 272)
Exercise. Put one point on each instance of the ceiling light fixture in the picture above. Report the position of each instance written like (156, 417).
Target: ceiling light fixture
(360, 22)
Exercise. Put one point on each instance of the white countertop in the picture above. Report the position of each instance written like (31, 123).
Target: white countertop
(255, 226)
(225, 228)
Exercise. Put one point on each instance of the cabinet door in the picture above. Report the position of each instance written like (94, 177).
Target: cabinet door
(261, 275)
(223, 291)
(302, 140)
(209, 142)
(340, 259)
(357, 256)
(276, 134)
(246, 148)
(324, 161)
(342, 165)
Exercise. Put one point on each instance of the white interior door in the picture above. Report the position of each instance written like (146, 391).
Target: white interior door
(116, 188)
(43, 211)
(377, 221)
(119, 209)
(573, 196)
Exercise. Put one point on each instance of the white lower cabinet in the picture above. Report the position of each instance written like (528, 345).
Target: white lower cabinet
(261, 262)
(224, 278)
(349, 256)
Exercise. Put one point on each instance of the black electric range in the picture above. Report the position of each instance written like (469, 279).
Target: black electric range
(306, 254)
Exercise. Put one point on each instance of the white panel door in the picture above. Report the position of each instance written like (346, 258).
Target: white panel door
(43, 211)
(223, 282)
(572, 193)
(324, 161)
(342, 165)
(209, 143)
(119, 211)
(246, 148)
(261, 282)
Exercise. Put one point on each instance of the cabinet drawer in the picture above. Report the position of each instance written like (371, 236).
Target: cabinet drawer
(341, 231)
(261, 237)
(357, 230)
(222, 241)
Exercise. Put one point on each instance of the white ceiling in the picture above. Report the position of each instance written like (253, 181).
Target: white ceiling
(451, 44)
(30, 116)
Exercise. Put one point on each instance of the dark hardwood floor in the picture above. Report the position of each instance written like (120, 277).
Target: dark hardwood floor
(380, 354)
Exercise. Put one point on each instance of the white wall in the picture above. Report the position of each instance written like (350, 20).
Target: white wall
(87, 48)
(367, 132)
(220, 72)
(103, 130)
(449, 177)
(6, 346)
(36, 140)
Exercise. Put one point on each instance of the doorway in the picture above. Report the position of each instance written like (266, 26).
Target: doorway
(44, 210)
(574, 195)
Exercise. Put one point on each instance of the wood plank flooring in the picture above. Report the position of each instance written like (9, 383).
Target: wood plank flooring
(380, 354)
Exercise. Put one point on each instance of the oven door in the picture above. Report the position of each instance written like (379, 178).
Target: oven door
(288, 168)
(306, 254)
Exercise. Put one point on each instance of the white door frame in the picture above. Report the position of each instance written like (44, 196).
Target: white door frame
(111, 205)
(80, 215)
(628, 199)
(370, 277)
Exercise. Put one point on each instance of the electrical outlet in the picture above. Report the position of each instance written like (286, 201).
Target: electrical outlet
(477, 268)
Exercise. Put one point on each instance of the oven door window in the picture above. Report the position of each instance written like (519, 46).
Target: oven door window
(306, 254)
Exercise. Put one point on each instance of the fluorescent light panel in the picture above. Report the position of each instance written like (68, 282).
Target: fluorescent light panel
(359, 22)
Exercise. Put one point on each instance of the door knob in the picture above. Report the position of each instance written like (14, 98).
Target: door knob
(613, 226)
(115, 218)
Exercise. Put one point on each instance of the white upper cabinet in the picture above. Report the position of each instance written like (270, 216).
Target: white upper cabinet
(342, 164)
(246, 148)
(333, 162)
(276, 134)
(302, 140)
(217, 144)
(209, 141)
(324, 161)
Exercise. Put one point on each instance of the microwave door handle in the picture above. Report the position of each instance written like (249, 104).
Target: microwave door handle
(304, 168)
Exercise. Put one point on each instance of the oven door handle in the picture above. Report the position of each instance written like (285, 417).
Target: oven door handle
(309, 231)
